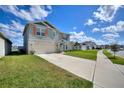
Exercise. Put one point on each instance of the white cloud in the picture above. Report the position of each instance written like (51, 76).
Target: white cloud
(4, 26)
(100, 42)
(96, 29)
(106, 12)
(74, 28)
(17, 12)
(39, 12)
(90, 22)
(110, 37)
(112, 31)
(17, 26)
(35, 12)
(76, 36)
(81, 37)
(118, 27)
(13, 31)
(49, 7)
(121, 42)
(17, 42)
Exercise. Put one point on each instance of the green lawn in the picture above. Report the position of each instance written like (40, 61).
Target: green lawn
(117, 60)
(30, 71)
(88, 54)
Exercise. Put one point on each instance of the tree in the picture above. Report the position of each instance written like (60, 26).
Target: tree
(77, 46)
(114, 48)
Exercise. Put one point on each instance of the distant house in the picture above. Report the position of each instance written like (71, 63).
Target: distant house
(88, 45)
(5, 45)
(42, 37)
(17, 49)
(102, 46)
(14, 48)
(77, 46)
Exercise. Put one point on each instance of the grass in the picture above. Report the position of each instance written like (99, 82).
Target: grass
(87, 54)
(116, 60)
(30, 71)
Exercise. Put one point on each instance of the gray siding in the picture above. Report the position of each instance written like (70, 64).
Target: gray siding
(5, 47)
(26, 36)
(2, 47)
(41, 43)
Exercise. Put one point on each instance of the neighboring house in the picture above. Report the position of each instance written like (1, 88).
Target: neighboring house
(88, 45)
(102, 46)
(17, 49)
(42, 37)
(5, 45)
(14, 48)
(77, 46)
(20, 49)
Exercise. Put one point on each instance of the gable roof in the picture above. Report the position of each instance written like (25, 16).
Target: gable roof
(45, 23)
(2, 36)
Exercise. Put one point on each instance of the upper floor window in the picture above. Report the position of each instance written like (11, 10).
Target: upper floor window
(43, 30)
(40, 31)
(51, 33)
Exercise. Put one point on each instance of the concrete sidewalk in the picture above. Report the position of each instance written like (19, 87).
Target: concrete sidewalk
(107, 74)
(120, 67)
(81, 67)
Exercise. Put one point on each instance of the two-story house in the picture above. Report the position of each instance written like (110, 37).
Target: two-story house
(42, 37)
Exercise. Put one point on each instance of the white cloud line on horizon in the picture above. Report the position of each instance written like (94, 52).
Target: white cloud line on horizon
(106, 12)
(35, 12)
(81, 37)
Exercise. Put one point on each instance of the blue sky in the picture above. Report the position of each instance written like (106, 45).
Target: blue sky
(101, 24)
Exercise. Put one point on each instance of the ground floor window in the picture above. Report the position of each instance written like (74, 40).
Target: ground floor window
(66, 47)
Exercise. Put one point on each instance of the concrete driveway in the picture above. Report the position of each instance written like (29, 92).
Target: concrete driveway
(81, 67)
(103, 73)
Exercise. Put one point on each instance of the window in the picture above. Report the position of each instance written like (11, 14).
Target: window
(43, 34)
(43, 30)
(66, 47)
(30, 30)
(38, 31)
(51, 33)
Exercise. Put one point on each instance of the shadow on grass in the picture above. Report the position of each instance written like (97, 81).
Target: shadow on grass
(112, 57)
(16, 53)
